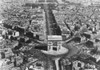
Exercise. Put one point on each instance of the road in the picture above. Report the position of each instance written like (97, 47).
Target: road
(48, 20)
(57, 63)
(72, 50)
(51, 25)
(50, 31)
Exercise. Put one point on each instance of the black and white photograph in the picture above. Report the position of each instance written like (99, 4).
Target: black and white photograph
(49, 34)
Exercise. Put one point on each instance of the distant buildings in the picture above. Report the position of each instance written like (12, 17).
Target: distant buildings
(7, 52)
(79, 65)
(5, 64)
(1, 38)
(38, 14)
(38, 21)
(66, 64)
(85, 50)
(97, 57)
(37, 65)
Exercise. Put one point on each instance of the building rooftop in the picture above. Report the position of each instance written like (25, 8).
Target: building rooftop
(54, 37)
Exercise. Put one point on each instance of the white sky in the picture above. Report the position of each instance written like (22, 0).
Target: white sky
(83, 0)
(57, 0)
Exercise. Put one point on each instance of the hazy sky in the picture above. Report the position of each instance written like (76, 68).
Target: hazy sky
(58, 0)
(83, 0)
